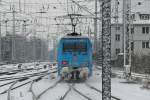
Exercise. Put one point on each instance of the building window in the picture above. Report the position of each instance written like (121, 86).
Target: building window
(117, 37)
(133, 17)
(145, 30)
(117, 51)
(145, 44)
(132, 30)
(144, 16)
(117, 28)
(132, 46)
(139, 3)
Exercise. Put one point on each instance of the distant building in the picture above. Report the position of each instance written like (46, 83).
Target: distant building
(140, 29)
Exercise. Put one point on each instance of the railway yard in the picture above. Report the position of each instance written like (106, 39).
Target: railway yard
(74, 50)
(43, 84)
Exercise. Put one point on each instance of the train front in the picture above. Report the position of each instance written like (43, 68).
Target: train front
(74, 58)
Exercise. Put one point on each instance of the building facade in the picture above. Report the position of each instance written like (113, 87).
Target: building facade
(140, 28)
(139, 37)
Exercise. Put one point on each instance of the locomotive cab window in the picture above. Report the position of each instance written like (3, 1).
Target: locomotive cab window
(75, 47)
(68, 47)
(81, 47)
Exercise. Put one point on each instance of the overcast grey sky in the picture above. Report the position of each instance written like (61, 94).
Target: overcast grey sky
(30, 8)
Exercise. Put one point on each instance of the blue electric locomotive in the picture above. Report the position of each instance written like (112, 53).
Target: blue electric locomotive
(74, 57)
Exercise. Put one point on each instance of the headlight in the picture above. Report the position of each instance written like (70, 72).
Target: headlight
(64, 62)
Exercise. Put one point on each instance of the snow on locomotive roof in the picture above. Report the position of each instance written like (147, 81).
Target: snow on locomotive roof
(75, 36)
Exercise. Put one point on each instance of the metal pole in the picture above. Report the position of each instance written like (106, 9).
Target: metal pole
(129, 17)
(24, 6)
(95, 28)
(24, 48)
(34, 48)
(106, 50)
(41, 54)
(116, 16)
(6, 26)
(124, 32)
(41, 39)
(34, 42)
(9, 90)
(116, 13)
(13, 35)
(0, 39)
(19, 5)
(47, 54)
(127, 34)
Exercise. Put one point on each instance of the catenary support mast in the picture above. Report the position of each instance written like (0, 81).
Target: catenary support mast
(106, 49)
(13, 35)
(95, 28)
(127, 34)
(0, 38)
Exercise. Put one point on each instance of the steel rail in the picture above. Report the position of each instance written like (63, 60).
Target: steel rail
(91, 87)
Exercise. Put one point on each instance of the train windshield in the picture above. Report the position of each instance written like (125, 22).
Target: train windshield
(75, 47)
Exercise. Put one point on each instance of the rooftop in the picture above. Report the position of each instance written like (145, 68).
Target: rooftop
(137, 7)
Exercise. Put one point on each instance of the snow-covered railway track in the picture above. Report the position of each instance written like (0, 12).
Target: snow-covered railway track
(89, 94)
(66, 93)
(80, 93)
(12, 73)
(7, 83)
(19, 78)
(13, 88)
(22, 76)
(91, 87)
(72, 87)
(37, 97)
(23, 84)
(16, 71)
(22, 79)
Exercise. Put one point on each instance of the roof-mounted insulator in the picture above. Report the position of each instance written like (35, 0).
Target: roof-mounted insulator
(74, 34)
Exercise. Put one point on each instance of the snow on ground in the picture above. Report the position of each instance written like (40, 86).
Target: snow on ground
(24, 93)
(88, 91)
(129, 91)
(4, 82)
(22, 73)
(121, 90)
(10, 67)
(55, 93)
(74, 96)
(4, 88)
(45, 83)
